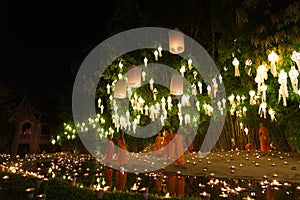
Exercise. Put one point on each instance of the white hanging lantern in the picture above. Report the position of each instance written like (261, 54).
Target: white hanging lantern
(176, 41)
(176, 85)
(236, 63)
(293, 74)
(283, 91)
(296, 58)
(134, 76)
(120, 89)
(273, 57)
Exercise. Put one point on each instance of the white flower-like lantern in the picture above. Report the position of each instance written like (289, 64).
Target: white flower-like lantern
(293, 74)
(296, 58)
(283, 92)
(273, 57)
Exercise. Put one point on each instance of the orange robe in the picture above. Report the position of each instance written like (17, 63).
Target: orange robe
(248, 146)
(158, 145)
(179, 149)
(263, 139)
(109, 176)
(171, 184)
(190, 142)
(167, 140)
(121, 178)
(122, 153)
(180, 186)
(110, 151)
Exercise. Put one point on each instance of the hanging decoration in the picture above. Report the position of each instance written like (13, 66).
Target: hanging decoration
(145, 61)
(273, 57)
(296, 58)
(261, 76)
(272, 115)
(176, 41)
(293, 74)
(248, 64)
(236, 63)
(283, 92)
(263, 110)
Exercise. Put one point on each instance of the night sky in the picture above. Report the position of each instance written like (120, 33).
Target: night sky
(41, 40)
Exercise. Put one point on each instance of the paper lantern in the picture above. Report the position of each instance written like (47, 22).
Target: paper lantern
(120, 89)
(134, 75)
(176, 41)
(176, 85)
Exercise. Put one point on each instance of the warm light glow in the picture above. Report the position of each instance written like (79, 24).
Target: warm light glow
(120, 89)
(176, 86)
(176, 41)
(134, 76)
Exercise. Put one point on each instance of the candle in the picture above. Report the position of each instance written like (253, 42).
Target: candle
(205, 195)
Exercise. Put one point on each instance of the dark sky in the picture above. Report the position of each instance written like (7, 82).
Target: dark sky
(41, 39)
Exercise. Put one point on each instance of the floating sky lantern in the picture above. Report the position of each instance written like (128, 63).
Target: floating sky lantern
(176, 41)
(120, 89)
(176, 85)
(134, 76)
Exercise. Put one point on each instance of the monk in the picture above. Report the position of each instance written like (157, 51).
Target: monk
(264, 139)
(171, 146)
(109, 158)
(158, 144)
(179, 149)
(190, 143)
(122, 151)
(110, 149)
(167, 140)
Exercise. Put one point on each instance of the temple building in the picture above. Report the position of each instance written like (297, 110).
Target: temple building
(33, 129)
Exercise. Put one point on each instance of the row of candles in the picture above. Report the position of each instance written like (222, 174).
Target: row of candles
(73, 164)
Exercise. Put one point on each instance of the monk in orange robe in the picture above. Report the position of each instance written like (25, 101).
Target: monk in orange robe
(171, 146)
(171, 184)
(110, 149)
(264, 139)
(167, 140)
(190, 143)
(158, 144)
(179, 149)
(121, 178)
(180, 186)
(122, 151)
(109, 158)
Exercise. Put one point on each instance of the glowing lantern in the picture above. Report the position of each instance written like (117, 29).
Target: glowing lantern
(120, 89)
(176, 41)
(236, 63)
(283, 92)
(176, 85)
(296, 58)
(273, 57)
(134, 76)
(293, 74)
